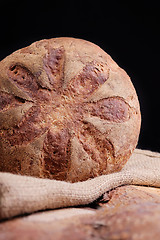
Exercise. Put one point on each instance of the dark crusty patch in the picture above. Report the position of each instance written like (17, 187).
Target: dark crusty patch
(6, 100)
(23, 78)
(54, 66)
(97, 146)
(88, 80)
(56, 153)
(27, 129)
(113, 109)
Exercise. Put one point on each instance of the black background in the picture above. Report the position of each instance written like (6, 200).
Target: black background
(127, 30)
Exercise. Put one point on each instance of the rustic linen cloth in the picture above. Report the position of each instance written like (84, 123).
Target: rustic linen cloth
(23, 194)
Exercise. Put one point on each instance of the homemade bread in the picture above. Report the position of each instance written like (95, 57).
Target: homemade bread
(67, 111)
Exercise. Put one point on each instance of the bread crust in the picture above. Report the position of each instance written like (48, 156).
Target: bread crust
(67, 111)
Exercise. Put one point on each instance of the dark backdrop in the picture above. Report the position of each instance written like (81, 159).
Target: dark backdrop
(127, 30)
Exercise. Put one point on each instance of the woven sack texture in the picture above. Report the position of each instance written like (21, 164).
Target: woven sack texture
(24, 194)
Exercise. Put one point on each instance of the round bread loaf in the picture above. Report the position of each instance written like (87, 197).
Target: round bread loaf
(67, 111)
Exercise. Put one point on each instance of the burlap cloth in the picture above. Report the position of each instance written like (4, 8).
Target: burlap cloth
(23, 194)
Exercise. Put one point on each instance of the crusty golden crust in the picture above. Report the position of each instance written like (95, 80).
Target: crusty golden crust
(67, 111)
